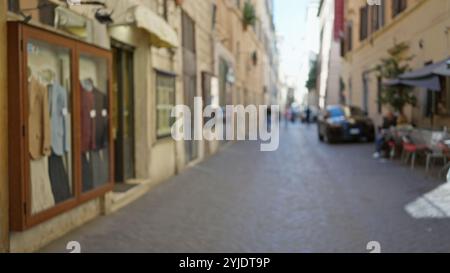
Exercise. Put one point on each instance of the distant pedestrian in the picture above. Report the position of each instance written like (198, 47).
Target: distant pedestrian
(269, 118)
(308, 115)
(287, 116)
(292, 115)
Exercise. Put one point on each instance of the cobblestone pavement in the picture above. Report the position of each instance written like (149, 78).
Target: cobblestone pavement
(306, 197)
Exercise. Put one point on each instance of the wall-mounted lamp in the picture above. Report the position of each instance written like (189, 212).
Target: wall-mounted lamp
(104, 16)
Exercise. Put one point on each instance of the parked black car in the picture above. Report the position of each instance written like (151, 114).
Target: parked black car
(345, 123)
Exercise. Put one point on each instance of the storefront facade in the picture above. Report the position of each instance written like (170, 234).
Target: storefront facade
(96, 113)
(90, 103)
(428, 44)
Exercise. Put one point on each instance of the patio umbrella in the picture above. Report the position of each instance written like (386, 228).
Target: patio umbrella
(426, 77)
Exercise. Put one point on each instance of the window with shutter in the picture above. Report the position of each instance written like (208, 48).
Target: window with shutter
(363, 24)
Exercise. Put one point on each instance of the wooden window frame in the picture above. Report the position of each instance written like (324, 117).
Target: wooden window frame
(13, 5)
(348, 37)
(20, 188)
(378, 16)
(189, 33)
(398, 6)
(363, 23)
(161, 73)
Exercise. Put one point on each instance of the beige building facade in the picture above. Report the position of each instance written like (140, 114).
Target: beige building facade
(163, 53)
(423, 25)
(250, 52)
(329, 59)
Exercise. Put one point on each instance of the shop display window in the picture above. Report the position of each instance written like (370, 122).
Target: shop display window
(94, 121)
(49, 124)
(60, 126)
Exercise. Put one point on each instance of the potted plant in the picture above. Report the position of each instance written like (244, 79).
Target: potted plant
(397, 97)
(248, 15)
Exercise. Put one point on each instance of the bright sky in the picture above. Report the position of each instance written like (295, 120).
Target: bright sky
(297, 37)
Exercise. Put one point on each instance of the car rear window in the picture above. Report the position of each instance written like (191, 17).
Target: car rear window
(336, 112)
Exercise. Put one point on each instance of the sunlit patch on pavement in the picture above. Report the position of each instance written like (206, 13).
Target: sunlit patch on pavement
(435, 204)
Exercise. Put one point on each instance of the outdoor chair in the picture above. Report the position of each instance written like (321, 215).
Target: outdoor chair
(395, 143)
(413, 144)
(446, 147)
(437, 149)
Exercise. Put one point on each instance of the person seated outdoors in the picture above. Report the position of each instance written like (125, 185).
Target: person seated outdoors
(383, 137)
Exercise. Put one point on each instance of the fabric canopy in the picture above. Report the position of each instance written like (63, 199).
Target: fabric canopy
(443, 70)
(426, 77)
(430, 83)
(426, 71)
(71, 22)
(161, 33)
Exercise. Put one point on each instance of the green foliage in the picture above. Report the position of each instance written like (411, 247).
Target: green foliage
(391, 67)
(311, 83)
(249, 14)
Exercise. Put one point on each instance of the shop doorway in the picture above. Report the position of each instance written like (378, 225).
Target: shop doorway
(224, 93)
(207, 101)
(123, 112)
(365, 102)
(189, 78)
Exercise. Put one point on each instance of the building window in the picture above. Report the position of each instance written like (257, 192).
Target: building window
(165, 101)
(350, 92)
(342, 46)
(47, 12)
(431, 103)
(398, 6)
(14, 6)
(431, 99)
(214, 15)
(188, 32)
(379, 90)
(378, 16)
(349, 37)
(443, 98)
(166, 10)
(41, 10)
(223, 72)
(363, 24)
(365, 98)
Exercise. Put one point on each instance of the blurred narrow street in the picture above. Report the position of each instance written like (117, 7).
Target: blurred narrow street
(306, 197)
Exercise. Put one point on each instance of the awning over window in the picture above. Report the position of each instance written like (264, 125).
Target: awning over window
(72, 22)
(161, 33)
(426, 77)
